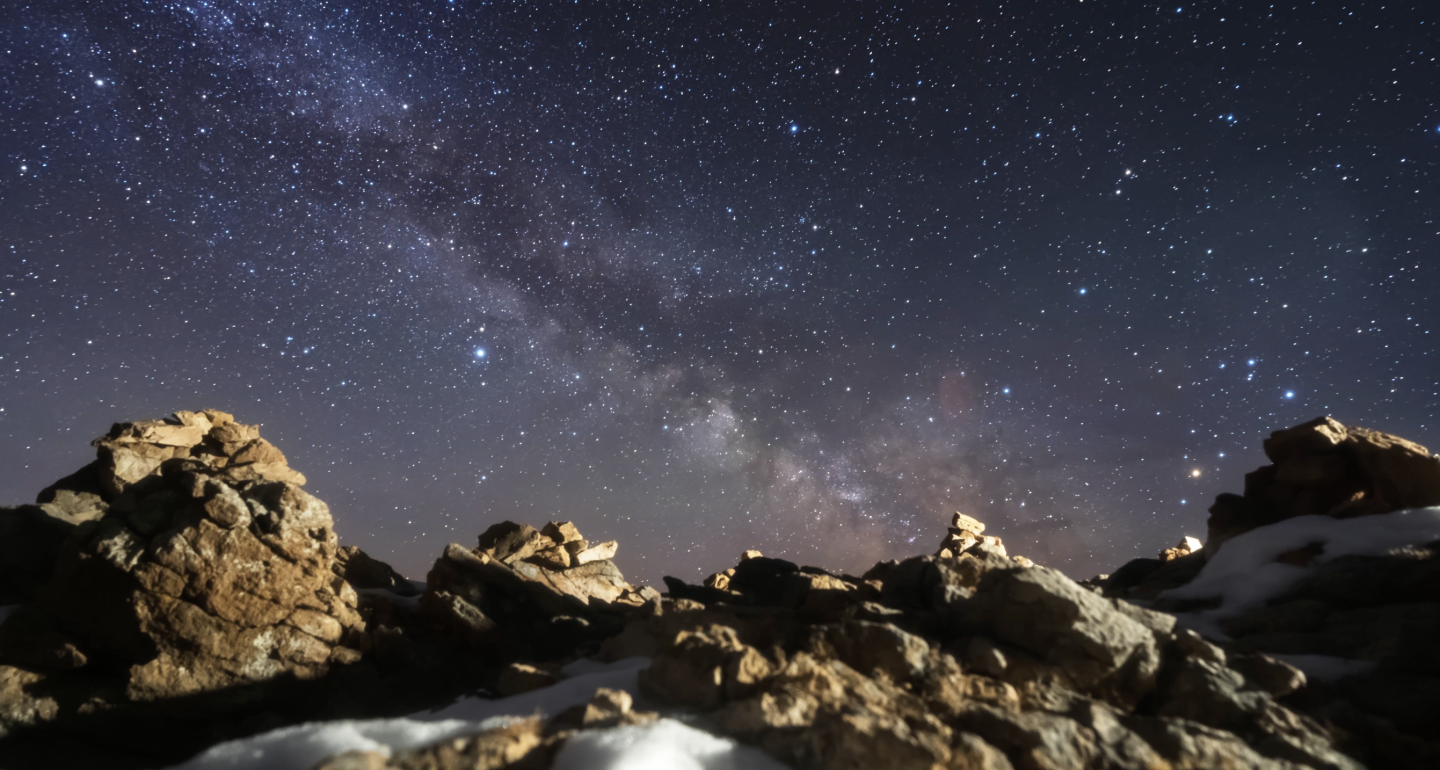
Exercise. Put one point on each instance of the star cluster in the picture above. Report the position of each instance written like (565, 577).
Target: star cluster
(702, 277)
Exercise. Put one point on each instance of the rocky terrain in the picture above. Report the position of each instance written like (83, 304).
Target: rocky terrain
(184, 590)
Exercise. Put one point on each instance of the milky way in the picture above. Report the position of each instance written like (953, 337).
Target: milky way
(705, 277)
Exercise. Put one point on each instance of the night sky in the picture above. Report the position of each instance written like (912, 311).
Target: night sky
(704, 277)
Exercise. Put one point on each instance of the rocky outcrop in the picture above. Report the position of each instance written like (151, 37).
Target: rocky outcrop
(528, 594)
(1366, 622)
(210, 570)
(968, 661)
(190, 568)
(1324, 468)
(186, 578)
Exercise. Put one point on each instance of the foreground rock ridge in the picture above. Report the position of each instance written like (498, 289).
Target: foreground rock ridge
(183, 589)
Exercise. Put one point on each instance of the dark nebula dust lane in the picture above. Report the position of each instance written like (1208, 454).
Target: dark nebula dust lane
(704, 277)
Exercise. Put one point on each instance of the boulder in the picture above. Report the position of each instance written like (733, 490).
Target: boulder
(1325, 468)
(202, 586)
(1101, 646)
(191, 581)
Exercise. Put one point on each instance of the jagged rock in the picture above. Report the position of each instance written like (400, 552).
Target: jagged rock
(606, 708)
(1275, 677)
(362, 572)
(1325, 468)
(203, 586)
(197, 582)
(514, 598)
(966, 659)
(871, 647)
(20, 707)
(1102, 647)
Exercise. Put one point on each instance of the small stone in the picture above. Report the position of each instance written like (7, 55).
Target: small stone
(751, 554)
(1187, 546)
(524, 677)
(983, 656)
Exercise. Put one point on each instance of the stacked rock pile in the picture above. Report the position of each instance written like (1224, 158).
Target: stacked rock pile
(530, 594)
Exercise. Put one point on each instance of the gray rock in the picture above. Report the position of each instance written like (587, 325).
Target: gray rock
(1101, 648)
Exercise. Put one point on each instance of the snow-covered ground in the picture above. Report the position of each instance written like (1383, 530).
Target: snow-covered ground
(664, 745)
(1244, 574)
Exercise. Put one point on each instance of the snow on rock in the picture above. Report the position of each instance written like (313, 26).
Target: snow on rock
(300, 747)
(1245, 574)
(663, 745)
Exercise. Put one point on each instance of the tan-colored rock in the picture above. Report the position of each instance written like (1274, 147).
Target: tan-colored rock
(962, 522)
(199, 583)
(556, 558)
(23, 703)
(524, 677)
(519, 746)
(1185, 547)
(258, 451)
(1323, 468)
(355, 760)
(602, 552)
(1402, 473)
(561, 532)
(751, 554)
(719, 580)
(1317, 436)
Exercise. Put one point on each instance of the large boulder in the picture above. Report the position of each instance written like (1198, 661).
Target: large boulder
(210, 569)
(1100, 646)
(1325, 468)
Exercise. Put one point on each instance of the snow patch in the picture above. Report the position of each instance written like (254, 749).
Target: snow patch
(1244, 574)
(664, 745)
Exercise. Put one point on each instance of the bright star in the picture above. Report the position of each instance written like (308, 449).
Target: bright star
(99, 82)
(794, 129)
(479, 352)
(1289, 394)
(1082, 291)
